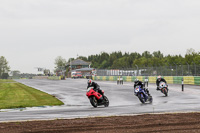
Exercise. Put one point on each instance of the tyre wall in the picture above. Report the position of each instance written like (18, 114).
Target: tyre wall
(192, 80)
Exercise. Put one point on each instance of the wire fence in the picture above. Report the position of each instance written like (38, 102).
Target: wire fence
(171, 70)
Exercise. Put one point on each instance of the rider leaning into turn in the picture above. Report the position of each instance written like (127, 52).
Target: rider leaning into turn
(95, 85)
(140, 83)
(159, 79)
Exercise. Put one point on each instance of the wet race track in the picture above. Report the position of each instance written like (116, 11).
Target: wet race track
(122, 100)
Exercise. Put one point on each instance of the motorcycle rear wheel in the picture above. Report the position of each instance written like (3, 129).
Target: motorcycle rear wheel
(150, 99)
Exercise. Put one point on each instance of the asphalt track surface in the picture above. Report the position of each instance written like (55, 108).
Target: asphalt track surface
(122, 101)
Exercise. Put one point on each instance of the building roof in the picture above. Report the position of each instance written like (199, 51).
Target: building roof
(85, 69)
(78, 62)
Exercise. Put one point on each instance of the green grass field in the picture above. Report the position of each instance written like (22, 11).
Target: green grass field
(17, 95)
(6, 80)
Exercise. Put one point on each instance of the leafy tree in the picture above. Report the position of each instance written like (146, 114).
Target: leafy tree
(15, 73)
(60, 63)
(70, 59)
(142, 62)
(121, 63)
(104, 64)
(112, 58)
(5, 76)
(146, 54)
(83, 58)
(190, 56)
(158, 54)
(46, 72)
(4, 68)
(196, 59)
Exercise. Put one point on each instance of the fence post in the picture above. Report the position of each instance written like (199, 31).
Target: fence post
(146, 81)
(182, 85)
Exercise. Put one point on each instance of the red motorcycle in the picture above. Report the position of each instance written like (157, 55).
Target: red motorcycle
(96, 99)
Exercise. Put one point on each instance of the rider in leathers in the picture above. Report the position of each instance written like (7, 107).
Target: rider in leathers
(95, 85)
(140, 83)
(159, 79)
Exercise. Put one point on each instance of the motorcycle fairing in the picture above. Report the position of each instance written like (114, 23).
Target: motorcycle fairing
(91, 92)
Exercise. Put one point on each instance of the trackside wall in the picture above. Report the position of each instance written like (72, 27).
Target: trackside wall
(192, 80)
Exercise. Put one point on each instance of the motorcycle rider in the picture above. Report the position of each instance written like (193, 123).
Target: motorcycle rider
(95, 85)
(159, 79)
(140, 83)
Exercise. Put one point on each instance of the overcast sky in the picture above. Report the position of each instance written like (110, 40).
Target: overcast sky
(34, 32)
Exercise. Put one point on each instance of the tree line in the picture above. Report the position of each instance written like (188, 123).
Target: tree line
(119, 60)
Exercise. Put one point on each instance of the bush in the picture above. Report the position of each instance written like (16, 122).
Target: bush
(4, 76)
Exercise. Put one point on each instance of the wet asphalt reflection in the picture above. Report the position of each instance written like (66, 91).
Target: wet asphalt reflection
(122, 100)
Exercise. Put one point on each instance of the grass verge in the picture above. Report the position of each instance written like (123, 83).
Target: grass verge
(6, 80)
(17, 95)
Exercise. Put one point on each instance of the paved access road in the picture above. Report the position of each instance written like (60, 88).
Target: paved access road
(122, 101)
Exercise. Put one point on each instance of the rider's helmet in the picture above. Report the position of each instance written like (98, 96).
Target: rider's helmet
(136, 80)
(159, 78)
(89, 81)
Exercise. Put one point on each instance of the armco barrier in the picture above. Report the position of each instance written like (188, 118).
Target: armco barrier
(188, 80)
(129, 78)
(169, 79)
(141, 78)
(152, 79)
(197, 80)
(124, 78)
(177, 80)
(107, 78)
(111, 78)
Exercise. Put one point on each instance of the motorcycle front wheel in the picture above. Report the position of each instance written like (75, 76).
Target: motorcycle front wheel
(93, 101)
(106, 101)
(141, 98)
(165, 91)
